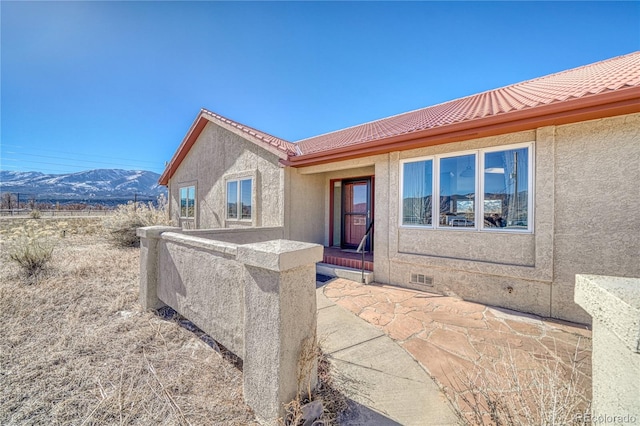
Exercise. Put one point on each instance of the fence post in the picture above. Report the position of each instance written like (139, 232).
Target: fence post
(279, 321)
(149, 239)
(614, 304)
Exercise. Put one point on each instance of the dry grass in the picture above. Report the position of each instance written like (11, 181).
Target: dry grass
(552, 393)
(77, 348)
(325, 397)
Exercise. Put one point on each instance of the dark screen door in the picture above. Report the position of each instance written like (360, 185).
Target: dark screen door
(356, 211)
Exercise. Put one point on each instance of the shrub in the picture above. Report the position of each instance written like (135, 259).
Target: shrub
(35, 214)
(32, 253)
(122, 224)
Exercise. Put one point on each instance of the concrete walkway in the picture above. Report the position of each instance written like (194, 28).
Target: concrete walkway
(386, 385)
(451, 339)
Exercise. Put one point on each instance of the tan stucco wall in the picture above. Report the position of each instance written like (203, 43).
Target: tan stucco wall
(304, 211)
(597, 198)
(217, 154)
(586, 220)
(586, 215)
(308, 200)
(478, 266)
(321, 176)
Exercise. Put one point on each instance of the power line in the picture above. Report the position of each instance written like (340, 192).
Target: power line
(53, 164)
(49, 170)
(71, 159)
(81, 154)
(45, 171)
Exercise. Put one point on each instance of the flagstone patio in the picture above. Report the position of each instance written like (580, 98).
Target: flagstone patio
(459, 342)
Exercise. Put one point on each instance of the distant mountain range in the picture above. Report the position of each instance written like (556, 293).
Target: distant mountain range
(90, 185)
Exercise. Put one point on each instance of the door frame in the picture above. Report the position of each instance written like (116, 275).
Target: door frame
(332, 218)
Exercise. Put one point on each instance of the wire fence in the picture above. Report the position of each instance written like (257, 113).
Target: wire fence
(55, 213)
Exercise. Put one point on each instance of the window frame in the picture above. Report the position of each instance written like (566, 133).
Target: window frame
(530, 186)
(401, 190)
(187, 187)
(437, 195)
(479, 189)
(238, 181)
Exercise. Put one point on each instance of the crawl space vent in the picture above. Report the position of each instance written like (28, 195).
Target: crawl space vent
(421, 279)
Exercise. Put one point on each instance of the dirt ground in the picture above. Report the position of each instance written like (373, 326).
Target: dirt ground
(76, 347)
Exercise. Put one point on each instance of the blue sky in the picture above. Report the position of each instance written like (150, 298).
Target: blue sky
(117, 84)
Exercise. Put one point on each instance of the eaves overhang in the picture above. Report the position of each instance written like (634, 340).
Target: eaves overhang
(619, 102)
(194, 131)
(203, 118)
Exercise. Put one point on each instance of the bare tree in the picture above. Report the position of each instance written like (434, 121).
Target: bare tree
(8, 201)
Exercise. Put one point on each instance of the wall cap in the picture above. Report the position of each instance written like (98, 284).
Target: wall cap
(279, 255)
(222, 247)
(154, 231)
(614, 302)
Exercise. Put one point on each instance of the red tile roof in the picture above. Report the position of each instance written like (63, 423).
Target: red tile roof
(602, 89)
(266, 140)
(257, 135)
(614, 74)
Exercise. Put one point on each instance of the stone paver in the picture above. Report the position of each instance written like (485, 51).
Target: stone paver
(454, 339)
(384, 384)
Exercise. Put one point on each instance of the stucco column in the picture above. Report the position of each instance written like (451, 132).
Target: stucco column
(279, 319)
(149, 239)
(614, 304)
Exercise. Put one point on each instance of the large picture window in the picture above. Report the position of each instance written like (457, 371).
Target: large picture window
(239, 196)
(188, 202)
(487, 189)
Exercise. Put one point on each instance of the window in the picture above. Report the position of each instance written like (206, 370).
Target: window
(239, 196)
(417, 192)
(506, 189)
(188, 202)
(457, 191)
(487, 189)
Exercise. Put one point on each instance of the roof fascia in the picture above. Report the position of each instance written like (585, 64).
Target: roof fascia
(609, 104)
(246, 135)
(194, 132)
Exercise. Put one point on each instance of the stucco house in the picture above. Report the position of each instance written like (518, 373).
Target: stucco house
(499, 197)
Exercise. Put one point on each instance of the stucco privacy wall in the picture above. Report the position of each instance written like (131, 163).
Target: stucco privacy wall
(197, 291)
(220, 154)
(256, 299)
(614, 303)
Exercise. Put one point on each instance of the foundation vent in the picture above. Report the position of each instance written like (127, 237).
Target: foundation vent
(421, 279)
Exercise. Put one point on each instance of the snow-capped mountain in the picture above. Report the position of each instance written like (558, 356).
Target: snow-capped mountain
(90, 184)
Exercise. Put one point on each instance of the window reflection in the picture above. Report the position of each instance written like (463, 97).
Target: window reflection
(417, 193)
(245, 198)
(457, 191)
(506, 189)
(232, 199)
(187, 202)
